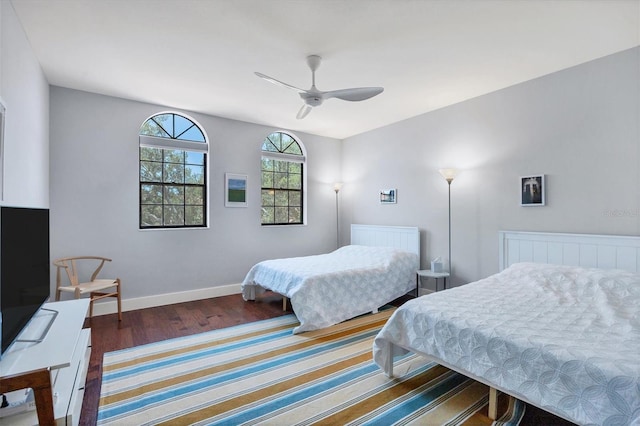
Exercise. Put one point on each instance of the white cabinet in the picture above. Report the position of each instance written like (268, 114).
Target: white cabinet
(65, 352)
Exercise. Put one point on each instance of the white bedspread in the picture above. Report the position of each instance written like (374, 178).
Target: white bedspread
(565, 339)
(329, 288)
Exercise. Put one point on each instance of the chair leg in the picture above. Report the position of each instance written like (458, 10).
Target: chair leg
(119, 299)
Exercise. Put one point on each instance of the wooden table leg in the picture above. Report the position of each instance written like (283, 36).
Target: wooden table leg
(40, 382)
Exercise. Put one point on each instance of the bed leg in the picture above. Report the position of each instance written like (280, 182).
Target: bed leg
(388, 368)
(284, 303)
(375, 311)
(493, 403)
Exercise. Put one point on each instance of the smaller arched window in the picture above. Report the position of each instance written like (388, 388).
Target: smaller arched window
(173, 173)
(283, 161)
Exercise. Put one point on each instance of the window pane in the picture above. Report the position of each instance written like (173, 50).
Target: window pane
(150, 154)
(268, 215)
(295, 168)
(281, 166)
(282, 215)
(181, 125)
(294, 148)
(166, 122)
(295, 181)
(194, 174)
(267, 180)
(194, 195)
(174, 215)
(196, 158)
(282, 198)
(151, 128)
(173, 194)
(150, 171)
(151, 194)
(267, 198)
(294, 215)
(151, 216)
(276, 140)
(194, 216)
(268, 165)
(173, 173)
(267, 145)
(193, 134)
(280, 180)
(174, 156)
(295, 199)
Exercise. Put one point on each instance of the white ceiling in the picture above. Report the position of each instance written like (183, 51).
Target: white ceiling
(201, 55)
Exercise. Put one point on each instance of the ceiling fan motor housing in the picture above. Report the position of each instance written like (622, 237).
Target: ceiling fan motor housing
(311, 99)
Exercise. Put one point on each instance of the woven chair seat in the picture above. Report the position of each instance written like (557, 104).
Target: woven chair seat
(89, 287)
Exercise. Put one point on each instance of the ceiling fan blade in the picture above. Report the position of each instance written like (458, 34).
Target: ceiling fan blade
(304, 111)
(279, 83)
(355, 94)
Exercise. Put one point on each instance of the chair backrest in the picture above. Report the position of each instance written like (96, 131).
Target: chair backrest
(69, 264)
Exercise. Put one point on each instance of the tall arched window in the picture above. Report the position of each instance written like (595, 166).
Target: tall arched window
(283, 160)
(173, 172)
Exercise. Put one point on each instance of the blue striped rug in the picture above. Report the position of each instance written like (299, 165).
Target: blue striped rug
(260, 373)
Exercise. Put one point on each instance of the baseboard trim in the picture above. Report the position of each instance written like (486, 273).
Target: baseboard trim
(111, 307)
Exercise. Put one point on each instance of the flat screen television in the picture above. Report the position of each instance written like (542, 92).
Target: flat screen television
(24, 268)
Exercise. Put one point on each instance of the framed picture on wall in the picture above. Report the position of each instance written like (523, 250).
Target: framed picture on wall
(532, 189)
(235, 190)
(388, 196)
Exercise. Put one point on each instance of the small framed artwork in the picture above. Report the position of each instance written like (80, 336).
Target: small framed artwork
(388, 196)
(532, 189)
(235, 190)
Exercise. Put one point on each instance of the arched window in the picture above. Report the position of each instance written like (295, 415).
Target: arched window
(173, 172)
(283, 198)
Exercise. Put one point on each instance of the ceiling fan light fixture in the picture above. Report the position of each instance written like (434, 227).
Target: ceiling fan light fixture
(313, 97)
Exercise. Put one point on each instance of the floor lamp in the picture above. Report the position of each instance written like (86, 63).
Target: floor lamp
(449, 175)
(337, 187)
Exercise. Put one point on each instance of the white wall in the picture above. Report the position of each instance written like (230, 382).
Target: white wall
(578, 126)
(25, 93)
(94, 199)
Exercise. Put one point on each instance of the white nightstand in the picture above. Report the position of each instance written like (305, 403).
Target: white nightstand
(426, 273)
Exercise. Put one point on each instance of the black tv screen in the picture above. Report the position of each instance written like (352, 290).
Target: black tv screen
(24, 268)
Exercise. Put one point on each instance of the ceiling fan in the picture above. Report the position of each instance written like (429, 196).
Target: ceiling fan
(314, 97)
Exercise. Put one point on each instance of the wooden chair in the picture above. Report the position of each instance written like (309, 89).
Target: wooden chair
(94, 286)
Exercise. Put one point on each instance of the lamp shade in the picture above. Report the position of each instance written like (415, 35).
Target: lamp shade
(449, 174)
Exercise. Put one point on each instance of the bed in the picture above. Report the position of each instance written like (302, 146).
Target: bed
(562, 332)
(378, 266)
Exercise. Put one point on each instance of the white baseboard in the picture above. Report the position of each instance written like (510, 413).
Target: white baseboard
(111, 307)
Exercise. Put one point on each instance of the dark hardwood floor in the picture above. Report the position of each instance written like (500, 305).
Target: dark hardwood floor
(165, 322)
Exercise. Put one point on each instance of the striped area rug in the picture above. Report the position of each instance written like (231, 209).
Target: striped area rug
(260, 373)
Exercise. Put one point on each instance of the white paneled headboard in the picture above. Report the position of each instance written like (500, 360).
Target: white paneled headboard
(587, 250)
(402, 237)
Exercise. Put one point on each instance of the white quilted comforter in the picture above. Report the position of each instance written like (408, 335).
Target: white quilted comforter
(329, 288)
(565, 339)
